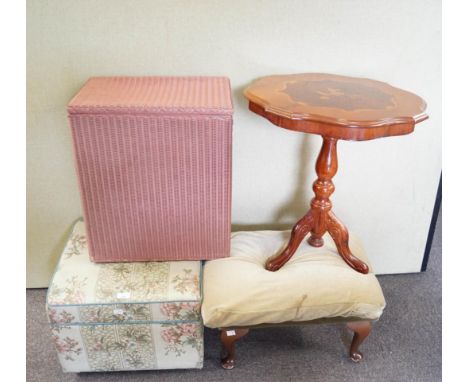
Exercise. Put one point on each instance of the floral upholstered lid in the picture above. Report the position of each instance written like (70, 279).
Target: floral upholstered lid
(78, 281)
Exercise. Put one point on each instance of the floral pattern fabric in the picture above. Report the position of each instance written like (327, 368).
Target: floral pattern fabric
(115, 313)
(78, 280)
(66, 346)
(84, 348)
(177, 338)
(124, 316)
(187, 282)
(119, 347)
(134, 281)
(125, 313)
(70, 290)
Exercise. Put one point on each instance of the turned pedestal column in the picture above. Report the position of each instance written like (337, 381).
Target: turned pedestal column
(335, 107)
(320, 219)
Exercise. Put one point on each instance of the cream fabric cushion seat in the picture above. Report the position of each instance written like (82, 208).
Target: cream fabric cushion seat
(315, 284)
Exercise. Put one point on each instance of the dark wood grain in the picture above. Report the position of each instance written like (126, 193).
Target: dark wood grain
(361, 331)
(336, 107)
(228, 340)
(320, 219)
(340, 236)
(326, 168)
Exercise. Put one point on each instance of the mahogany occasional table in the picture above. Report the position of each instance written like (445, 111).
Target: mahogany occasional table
(335, 107)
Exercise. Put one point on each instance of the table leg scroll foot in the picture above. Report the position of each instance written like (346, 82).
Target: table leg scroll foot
(299, 231)
(340, 236)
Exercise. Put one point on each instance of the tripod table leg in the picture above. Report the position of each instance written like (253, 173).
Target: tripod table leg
(299, 231)
(340, 236)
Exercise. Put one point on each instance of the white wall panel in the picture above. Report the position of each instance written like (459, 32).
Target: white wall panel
(385, 188)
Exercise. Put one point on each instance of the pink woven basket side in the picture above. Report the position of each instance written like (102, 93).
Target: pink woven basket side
(154, 188)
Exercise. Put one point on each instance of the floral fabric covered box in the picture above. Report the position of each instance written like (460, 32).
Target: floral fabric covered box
(124, 316)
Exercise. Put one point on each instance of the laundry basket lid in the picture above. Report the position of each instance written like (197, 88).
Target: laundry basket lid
(148, 95)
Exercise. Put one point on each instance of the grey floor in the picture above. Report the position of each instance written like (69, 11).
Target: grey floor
(405, 344)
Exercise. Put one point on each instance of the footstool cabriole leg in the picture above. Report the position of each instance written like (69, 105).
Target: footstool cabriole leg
(340, 236)
(299, 231)
(326, 168)
(228, 340)
(361, 330)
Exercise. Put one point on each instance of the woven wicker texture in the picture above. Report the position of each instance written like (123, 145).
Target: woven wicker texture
(155, 185)
(199, 95)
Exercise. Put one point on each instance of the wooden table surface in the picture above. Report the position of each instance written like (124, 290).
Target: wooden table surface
(337, 106)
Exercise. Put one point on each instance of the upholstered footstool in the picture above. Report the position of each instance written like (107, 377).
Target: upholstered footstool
(315, 286)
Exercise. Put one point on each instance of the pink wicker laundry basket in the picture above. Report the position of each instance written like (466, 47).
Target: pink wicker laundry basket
(153, 157)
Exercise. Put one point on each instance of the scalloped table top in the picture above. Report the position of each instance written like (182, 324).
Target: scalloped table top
(336, 106)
